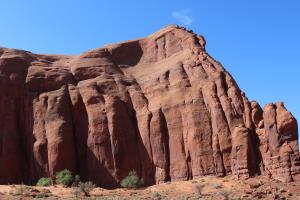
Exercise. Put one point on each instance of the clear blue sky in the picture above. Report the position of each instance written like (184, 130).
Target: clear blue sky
(258, 41)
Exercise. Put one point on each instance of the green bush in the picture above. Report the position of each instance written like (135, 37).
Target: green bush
(132, 180)
(86, 187)
(64, 177)
(43, 182)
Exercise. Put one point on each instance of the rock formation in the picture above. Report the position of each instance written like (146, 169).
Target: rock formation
(159, 105)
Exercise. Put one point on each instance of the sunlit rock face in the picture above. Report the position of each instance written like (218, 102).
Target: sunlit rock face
(159, 105)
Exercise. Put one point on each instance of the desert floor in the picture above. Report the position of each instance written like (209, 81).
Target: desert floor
(202, 188)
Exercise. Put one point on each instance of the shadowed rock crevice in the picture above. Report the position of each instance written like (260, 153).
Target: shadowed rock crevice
(167, 147)
(126, 54)
(75, 139)
(26, 124)
(159, 105)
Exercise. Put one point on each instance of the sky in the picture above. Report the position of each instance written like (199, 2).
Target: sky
(257, 41)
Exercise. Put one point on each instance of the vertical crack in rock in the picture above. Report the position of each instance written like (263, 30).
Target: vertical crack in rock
(80, 128)
(75, 142)
(26, 132)
(40, 145)
(160, 145)
(142, 118)
(166, 146)
(178, 162)
(59, 132)
(221, 132)
(254, 154)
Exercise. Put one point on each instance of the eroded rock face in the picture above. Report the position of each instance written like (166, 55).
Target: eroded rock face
(159, 105)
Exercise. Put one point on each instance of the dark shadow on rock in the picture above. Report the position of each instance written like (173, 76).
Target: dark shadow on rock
(147, 168)
(98, 173)
(127, 54)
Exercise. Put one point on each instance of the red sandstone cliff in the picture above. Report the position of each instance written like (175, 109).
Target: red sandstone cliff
(158, 105)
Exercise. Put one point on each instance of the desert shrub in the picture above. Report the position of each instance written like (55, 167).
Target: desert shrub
(76, 180)
(64, 177)
(44, 182)
(42, 195)
(216, 185)
(224, 194)
(22, 190)
(86, 187)
(198, 188)
(158, 196)
(132, 180)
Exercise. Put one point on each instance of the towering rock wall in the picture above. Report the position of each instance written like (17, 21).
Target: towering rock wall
(159, 105)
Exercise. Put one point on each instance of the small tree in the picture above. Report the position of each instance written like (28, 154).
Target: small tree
(64, 177)
(132, 181)
(43, 182)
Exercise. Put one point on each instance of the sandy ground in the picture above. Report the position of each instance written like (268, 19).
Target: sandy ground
(204, 188)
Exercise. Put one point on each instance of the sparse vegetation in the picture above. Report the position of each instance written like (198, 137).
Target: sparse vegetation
(30, 192)
(64, 177)
(86, 187)
(216, 186)
(132, 181)
(76, 180)
(224, 194)
(158, 196)
(42, 195)
(22, 190)
(198, 189)
(188, 190)
(43, 182)
(76, 192)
